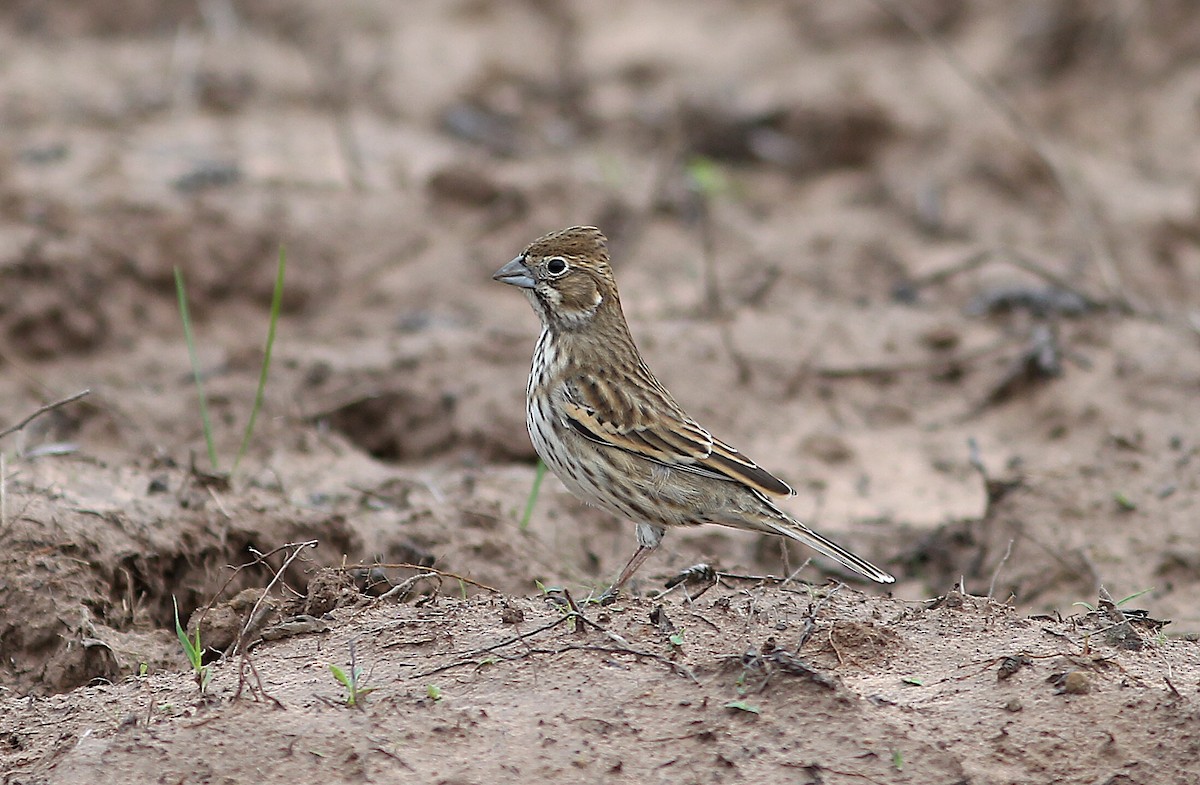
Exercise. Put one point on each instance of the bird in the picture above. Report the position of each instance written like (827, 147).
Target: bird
(613, 434)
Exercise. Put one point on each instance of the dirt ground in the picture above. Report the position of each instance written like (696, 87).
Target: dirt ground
(935, 263)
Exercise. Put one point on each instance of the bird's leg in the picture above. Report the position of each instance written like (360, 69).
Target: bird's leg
(649, 536)
(610, 594)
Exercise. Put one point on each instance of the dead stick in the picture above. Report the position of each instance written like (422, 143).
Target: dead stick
(995, 575)
(42, 410)
(407, 566)
(253, 618)
(259, 558)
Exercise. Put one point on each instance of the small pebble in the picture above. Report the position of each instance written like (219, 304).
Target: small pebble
(1077, 683)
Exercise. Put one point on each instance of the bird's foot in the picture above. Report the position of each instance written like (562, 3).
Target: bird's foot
(605, 598)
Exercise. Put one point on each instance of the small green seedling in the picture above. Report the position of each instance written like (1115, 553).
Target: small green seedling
(1093, 609)
(676, 639)
(706, 177)
(913, 681)
(193, 651)
(1124, 502)
(352, 682)
(433, 692)
(741, 705)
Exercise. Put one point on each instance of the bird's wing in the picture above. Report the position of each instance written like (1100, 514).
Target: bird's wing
(653, 426)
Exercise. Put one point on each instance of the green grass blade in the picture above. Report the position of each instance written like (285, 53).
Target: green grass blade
(1133, 596)
(276, 305)
(192, 651)
(179, 633)
(340, 675)
(181, 293)
(533, 494)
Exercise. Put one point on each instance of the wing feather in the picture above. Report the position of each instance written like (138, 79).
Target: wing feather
(657, 429)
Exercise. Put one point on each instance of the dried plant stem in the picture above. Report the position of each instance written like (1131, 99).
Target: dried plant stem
(42, 410)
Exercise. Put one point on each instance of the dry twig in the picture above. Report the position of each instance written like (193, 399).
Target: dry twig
(259, 558)
(407, 566)
(400, 591)
(256, 617)
(42, 410)
(246, 670)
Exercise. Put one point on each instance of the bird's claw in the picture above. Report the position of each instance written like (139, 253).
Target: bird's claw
(606, 598)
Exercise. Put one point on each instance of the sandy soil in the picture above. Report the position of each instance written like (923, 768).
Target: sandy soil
(941, 274)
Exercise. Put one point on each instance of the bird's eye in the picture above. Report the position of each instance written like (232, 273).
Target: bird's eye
(556, 266)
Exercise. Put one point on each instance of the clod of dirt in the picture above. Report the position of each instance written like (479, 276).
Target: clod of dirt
(470, 186)
(330, 588)
(868, 641)
(828, 447)
(47, 306)
(511, 614)
(398, 424)
(941, 338)
(110, 277)
(801, 139)
(221, 625)
(1010, 665)
(659, 618)
(1072, 682)
(131, 553)
(489, 128)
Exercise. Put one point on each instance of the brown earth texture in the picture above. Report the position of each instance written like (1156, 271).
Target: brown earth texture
(937, 264)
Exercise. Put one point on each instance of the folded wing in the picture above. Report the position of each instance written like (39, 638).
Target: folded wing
(653, 426)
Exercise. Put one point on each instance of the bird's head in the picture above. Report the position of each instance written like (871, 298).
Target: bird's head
(566, 277)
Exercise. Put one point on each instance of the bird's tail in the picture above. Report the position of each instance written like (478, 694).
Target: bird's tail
(794, 529)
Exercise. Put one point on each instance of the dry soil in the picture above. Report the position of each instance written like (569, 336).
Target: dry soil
(935, 263)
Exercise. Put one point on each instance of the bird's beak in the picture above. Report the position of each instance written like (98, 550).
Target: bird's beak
(515, 273)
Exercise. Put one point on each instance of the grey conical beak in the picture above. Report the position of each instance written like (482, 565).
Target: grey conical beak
(515, 273)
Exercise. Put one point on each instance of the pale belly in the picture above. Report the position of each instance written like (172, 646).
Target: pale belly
(643, 491)
(553, 453)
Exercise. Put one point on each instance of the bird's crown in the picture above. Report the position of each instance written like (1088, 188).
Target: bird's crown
(583, 244)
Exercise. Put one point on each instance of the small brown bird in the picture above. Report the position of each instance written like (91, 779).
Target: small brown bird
(614, 435)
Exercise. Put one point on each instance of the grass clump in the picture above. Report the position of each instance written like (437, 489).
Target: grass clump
(264, 371)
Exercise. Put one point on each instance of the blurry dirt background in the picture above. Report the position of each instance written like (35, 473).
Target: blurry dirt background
(935, 263)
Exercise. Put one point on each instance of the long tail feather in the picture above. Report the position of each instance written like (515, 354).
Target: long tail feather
(789, 527)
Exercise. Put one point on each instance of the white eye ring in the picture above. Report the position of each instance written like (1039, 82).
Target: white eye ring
(556, 266)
